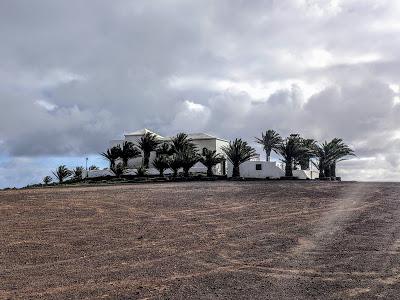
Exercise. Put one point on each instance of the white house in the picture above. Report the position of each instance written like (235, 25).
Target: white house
(201, 140)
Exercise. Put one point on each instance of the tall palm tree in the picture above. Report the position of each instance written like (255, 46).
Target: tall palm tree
(341, 152)
(161, 163)
(62, 173)
(238, 152)
(180, 142)
(324, 154)
(270, 141)
(304, 160)
(112, 154)
(329, 154)
(128, 152)
(148, 143)
(209, 159)
(291, 149)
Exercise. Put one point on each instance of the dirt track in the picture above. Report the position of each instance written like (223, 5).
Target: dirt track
(236, 240)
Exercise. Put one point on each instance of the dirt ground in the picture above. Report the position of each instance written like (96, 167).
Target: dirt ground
(202, 240)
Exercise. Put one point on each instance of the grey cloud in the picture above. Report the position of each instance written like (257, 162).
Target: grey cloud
(107, 68)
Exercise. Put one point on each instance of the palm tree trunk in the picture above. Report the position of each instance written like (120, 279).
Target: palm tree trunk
(288, 168)
(186, 172)
(327, 171)
(175, 172)
(125, 162)
(161, 173)
(321, 171)
(236, 171)
(305, 164)
(209, 171)
(333, 170)
(267, 155)
(146, 158)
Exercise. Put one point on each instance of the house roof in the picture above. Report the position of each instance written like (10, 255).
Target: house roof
(193, 136)
(202, 136)
(141, 132)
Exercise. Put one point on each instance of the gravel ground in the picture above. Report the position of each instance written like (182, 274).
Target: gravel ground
(202, 240)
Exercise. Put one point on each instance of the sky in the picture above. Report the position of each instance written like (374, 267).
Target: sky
(75, 74)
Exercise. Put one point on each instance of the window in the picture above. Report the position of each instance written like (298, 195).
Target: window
(258, 167)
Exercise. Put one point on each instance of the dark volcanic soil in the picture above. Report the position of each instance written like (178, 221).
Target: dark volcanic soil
(236, 240)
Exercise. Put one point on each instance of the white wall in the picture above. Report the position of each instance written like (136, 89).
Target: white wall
(97, 173)
(306, 174)
(248, 170)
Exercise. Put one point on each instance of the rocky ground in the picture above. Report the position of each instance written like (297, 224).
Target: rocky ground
(202, 240)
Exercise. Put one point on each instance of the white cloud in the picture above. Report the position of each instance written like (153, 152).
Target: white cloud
(46, 105)
(190, 117)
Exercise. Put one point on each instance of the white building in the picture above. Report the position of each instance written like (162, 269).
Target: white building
(201, 140)
(258, 169)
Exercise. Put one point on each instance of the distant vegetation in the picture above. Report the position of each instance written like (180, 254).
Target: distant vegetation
(181, 154)
(62, 173)
(47, 180)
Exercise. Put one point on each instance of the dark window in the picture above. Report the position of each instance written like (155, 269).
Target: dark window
(258, 167)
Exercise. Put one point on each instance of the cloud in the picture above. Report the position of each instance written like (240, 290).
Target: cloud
(233, 68)
(191, 115)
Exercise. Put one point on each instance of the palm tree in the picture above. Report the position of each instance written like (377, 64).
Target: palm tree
(291, 150)
(270, 141)
(324, 153)
(304, 160)
(184, 154)
(329, 154)
(164, 149)
(181, 142)
(118, 169)
(78, 172)
(47, 180)
(161, 163)
(189, 157)
(112, 154)
(148, 143)
(209, 159)
(141, 171)
(62, 173)
(238, 152)
(128, 152)
(341, 151)
(175, 163)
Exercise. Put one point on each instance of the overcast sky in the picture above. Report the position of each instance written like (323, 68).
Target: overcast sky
(75, 74)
